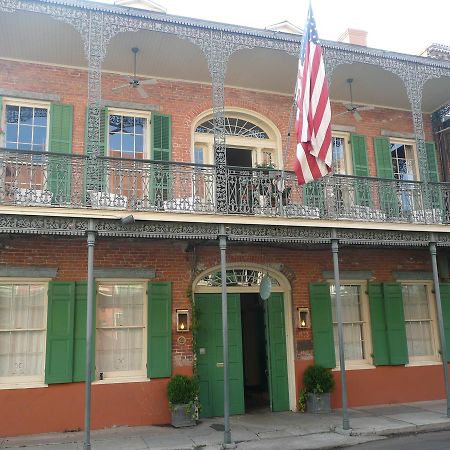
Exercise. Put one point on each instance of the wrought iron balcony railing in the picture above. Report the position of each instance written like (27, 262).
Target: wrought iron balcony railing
(76, 181)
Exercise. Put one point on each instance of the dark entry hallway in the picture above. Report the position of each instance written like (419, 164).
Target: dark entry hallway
(256, 389)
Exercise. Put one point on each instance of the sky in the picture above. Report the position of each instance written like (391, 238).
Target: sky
(406, 26)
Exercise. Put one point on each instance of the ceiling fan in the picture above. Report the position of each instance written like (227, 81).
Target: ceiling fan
(351, 107)
(134, 81)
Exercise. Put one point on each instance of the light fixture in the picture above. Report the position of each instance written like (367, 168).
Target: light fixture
(182, 320)
(303, 318)
(127, 219)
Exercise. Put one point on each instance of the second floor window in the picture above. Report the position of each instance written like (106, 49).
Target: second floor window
(127, 136)
(404, 161)
(26, 127)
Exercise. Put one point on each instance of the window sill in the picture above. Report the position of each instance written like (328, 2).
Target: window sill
(355, 367)
(423, 363)
(29, 385)
(120, 380)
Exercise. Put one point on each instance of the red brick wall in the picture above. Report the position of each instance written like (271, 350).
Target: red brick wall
(185, 101)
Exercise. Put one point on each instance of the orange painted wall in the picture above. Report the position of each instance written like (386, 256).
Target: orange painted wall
(384, 384)
(60, 407)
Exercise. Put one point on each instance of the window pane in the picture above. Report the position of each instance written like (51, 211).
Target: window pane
(128, 124)
(126, 136)
(40, 116)
(198, 155)
(139, 143)
(5, 307)
(352, 322)
(12, 114)
(5, 346)
(25, 133)
(128, 145)
(39, 136)
(11, 132)
(26, 115)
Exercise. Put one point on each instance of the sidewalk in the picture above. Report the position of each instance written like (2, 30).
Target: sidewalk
(264, 430)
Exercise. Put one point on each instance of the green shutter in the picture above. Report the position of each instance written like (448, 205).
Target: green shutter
(395, 323)
(445, 302)
(322, 324)
(159, 326)
(389, 202)
(360, 169)
(433, 176)
(60, 321)
(161, 139)
(79, 343)
(60, 141)
(378, 325)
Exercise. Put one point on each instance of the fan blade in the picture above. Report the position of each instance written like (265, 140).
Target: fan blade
(348, 106)
(120, 87)
(142, 92)
(149, 81)
(365, 108)
(130, 79)
(357, 115)
(342, 113)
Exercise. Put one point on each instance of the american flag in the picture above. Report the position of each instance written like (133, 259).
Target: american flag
(313, 120)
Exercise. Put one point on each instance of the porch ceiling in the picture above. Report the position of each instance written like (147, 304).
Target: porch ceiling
(36, 37)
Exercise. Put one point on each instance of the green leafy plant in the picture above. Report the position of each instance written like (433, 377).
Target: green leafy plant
(318, 380)
(184, 390)
(302, 400)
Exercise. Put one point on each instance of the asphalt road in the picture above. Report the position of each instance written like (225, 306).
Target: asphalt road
(425, 441)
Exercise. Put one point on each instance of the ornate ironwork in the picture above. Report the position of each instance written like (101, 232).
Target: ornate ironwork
(42, 179)
(235, 127)
(236, 277)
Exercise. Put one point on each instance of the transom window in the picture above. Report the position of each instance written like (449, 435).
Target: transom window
(235, 127)
(26, 127)
(418, 321)
(23, 320)
(354, 319)
(404, 161)
(236, 277)
(127, 136)
(121, 330)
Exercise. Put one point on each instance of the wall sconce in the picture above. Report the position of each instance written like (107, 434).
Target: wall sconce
(182, 320)
(303, 318)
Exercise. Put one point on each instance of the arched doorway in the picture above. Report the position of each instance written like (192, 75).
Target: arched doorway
(261, 352)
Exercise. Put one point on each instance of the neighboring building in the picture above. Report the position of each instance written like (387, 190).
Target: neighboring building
(185, 153)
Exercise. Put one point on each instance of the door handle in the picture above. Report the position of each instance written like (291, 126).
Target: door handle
(219, 364)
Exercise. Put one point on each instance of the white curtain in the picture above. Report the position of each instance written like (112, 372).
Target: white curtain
(417, 320)
(22, 330)
(120, 328)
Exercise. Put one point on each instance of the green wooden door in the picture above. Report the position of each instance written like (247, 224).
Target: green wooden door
(210, 354)
(276, 353)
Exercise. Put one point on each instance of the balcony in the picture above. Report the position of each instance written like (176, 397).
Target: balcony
(53, 180)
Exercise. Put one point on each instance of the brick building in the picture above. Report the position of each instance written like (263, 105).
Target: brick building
(199, 146)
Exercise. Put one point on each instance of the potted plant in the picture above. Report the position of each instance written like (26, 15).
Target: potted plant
(182, 392)
(318, 383)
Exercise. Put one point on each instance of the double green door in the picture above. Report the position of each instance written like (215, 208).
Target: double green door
(210, 354)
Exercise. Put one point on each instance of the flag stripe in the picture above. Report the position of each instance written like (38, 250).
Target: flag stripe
(313, 118)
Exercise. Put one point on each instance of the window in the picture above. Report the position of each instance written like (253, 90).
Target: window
(121, 330)
(26, 125)
(128, 134)
(420, 329)
(341, 154)
(404, 161)
(23, 319)
(355, 323)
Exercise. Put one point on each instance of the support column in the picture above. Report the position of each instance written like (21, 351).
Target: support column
(226, 382)
(89, 319)
(217, 62)
(337, 284)
(437, 294)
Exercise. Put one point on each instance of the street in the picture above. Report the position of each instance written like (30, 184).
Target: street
(425, 441)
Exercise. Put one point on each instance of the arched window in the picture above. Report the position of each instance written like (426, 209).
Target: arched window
(251, 140)
(236, 277)
(235, 127)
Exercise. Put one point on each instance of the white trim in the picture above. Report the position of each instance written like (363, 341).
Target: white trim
(285, 288)
(25, 385)
(122, 380)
